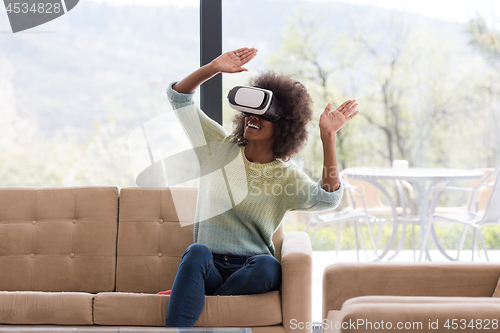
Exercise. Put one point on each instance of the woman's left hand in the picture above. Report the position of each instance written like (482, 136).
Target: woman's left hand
(331, 122)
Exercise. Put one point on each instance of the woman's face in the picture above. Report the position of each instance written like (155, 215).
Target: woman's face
(257, 128)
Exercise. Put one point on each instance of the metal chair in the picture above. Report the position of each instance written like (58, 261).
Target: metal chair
(351, 213)
(471, 218)
(374, 206)
(373, 197)
(481, 199)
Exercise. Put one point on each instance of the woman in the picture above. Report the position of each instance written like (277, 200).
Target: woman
(233, 249)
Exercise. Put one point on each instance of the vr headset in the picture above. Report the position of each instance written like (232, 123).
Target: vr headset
(255, 100)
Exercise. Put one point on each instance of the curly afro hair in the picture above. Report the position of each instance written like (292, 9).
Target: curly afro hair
(290, 131)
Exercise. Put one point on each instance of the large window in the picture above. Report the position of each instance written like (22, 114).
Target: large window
(73, 89)
(425, 76)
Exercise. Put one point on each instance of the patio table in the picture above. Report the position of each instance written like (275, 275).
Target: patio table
(436, 176)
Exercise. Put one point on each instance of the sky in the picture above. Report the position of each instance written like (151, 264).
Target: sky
(450, 10)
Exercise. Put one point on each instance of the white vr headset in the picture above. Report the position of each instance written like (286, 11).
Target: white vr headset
(255, 100)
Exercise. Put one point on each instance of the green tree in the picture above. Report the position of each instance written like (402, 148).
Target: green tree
(307, 53)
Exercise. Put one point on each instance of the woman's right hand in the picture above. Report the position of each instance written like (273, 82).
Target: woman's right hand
(229, 62)
(232, 61)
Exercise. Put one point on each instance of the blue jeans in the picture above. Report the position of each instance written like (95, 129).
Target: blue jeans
(202, 272)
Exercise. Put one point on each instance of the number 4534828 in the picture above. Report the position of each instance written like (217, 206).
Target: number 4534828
(40, 7)
(461, 324)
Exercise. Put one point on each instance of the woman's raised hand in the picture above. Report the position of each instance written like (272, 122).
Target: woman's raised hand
(232, 61)
(229, 62)
(331, 121)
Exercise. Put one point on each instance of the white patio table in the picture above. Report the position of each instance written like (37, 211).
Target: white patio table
(436, 176)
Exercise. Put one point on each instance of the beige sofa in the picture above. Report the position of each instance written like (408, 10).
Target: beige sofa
(411, 297)
(97, 256)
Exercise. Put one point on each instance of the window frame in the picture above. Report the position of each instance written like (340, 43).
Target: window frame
(210, 48)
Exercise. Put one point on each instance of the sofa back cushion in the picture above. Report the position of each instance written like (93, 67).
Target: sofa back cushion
(153, 234)
(58, 239)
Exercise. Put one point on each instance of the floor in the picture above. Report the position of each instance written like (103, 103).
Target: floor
(323, 259)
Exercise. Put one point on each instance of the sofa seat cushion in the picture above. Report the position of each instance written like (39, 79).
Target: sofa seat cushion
(136, 309)
(436, 314)
(45, 308)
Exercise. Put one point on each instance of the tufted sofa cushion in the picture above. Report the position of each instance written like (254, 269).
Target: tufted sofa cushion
(151, 239)
(58, 239)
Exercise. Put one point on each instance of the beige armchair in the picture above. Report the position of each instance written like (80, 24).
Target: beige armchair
(408, 294)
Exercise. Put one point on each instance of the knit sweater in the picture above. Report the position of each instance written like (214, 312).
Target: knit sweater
(241, 204)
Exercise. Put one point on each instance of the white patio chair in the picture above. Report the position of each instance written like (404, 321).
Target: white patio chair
(372, 197)
(471, 218)
(481, 197)
(351, 213)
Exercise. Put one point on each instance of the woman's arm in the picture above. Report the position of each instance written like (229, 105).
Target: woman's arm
(199, 128)
(229, 62)
(329, 123)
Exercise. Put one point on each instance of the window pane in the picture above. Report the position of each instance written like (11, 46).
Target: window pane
(426, 77)
(73, 89)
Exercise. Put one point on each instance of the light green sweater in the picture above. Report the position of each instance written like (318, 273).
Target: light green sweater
(241, 204)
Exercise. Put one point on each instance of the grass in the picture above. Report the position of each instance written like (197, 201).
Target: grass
(448, 234)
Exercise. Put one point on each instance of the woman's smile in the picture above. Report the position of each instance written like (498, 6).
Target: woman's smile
(253, 125)
(257, 128)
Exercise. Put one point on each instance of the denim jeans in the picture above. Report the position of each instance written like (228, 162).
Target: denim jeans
(202, 272)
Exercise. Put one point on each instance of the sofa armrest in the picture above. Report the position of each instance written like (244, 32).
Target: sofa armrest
(414, 317)
(343, 281)
(296, 286)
